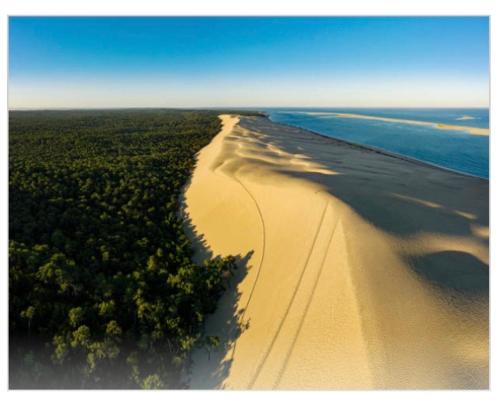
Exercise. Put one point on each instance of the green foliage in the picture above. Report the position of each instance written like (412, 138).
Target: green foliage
(152, 382)
(103, 291)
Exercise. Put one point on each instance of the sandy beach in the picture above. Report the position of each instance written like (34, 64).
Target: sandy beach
(440, 126)
(357, 270)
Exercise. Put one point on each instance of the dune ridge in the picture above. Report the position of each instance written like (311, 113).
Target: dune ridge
(356, 270)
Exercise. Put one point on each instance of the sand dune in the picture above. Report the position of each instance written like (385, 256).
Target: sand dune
(440, 126)
(356, 269)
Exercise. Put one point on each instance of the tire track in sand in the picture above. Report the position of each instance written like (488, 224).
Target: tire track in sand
(263, 248)
(306, 309)
(290, 303)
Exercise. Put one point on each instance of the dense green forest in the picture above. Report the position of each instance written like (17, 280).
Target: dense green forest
(102, 289)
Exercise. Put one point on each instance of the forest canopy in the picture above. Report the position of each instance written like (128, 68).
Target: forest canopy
(103, 292)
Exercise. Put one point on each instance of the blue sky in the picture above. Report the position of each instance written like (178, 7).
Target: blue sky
(90, 62)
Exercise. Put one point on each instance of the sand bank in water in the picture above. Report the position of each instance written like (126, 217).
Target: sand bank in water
(357, 269)
(440, 126)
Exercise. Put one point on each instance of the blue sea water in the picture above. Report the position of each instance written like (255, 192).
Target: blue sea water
(456, 150)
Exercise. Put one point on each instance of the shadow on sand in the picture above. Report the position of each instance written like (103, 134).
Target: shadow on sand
(405, 199)
(209, 367)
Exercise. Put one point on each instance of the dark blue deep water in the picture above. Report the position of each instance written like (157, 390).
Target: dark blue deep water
(456, 150)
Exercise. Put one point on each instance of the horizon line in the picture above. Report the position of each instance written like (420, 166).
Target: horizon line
(236, 107)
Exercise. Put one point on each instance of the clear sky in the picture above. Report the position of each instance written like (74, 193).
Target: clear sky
(66, 62)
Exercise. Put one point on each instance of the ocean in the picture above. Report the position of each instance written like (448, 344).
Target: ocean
(408, 132)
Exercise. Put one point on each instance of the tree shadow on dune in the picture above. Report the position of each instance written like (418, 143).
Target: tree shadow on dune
(210, 366)
(453, 270)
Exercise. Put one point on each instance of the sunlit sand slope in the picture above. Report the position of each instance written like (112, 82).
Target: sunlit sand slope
(356, 269)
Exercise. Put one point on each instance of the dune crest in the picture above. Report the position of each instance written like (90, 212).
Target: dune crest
(357, 270)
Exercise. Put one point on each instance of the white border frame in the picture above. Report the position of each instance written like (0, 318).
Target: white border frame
(251, 7)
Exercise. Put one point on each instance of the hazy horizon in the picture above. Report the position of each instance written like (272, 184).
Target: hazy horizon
(243, 108)
(248, 62)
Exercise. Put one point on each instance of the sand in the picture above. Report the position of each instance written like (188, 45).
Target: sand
(439, 126)
(357, 270)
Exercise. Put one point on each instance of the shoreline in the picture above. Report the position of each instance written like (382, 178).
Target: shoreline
(355, 270)
(380, 151)
(441, 126)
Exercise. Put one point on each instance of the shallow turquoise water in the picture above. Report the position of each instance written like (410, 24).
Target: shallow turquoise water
(456, 150)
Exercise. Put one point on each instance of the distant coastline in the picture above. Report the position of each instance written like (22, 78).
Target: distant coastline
(379, 150)
(441, 126)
